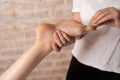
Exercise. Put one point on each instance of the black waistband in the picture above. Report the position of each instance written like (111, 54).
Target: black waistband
(79, 71)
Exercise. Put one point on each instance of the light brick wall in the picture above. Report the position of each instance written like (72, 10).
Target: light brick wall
(18, 19)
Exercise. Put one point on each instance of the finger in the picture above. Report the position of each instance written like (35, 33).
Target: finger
(68, 38)
(106, 18)
(99, 17)
(109, 22)
(56, 47)
(57, 40)
(63, 40)
(96, 15)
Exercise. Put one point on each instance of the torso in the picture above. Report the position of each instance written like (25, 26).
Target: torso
(101, 48)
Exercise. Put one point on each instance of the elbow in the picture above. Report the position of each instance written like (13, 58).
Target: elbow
(42, 26)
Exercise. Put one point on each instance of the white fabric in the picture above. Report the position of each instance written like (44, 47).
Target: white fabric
(101, 48)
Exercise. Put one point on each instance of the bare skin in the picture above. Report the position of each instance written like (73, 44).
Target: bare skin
(108, 16)
(41, 48)
(62, 39)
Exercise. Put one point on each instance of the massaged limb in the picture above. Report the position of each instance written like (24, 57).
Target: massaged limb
(42, 47)
(28, 61)
(62, 39)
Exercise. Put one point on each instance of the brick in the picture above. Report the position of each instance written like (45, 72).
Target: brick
(18, 20)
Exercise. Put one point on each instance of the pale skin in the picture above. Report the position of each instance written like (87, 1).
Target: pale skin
(62, 39)
(43, 46)
(108, 16)
(54, 37)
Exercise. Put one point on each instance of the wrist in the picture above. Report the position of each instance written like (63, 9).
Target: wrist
(43, 46)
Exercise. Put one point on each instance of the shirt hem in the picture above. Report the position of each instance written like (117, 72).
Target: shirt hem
(100, 68)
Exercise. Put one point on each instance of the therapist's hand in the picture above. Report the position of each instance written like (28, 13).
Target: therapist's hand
(108, 16)
(62, 39)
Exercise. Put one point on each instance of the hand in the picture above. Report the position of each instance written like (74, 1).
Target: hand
(45, 32)
(62, 39)
(109, 16)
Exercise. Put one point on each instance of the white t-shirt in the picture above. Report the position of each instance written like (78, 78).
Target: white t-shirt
(100, 48)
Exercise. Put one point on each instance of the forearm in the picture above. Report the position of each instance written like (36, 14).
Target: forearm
(75, 28)
(26, 63)
(71, 27)
(43, 45)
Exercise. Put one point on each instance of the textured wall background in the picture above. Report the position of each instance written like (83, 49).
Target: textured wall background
(18, 19)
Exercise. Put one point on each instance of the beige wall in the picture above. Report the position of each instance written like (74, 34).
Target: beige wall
(18, 19)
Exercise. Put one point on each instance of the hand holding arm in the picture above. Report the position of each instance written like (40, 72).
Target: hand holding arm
(42, 47)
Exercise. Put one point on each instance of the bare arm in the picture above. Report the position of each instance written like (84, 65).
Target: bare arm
(29, 60)
(62, 39)
(42, 47)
